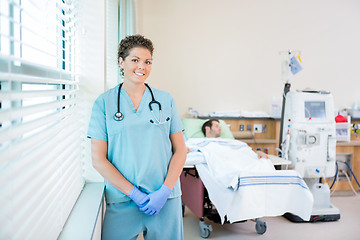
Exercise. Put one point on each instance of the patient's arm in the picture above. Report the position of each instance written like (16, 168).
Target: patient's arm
(262, 154)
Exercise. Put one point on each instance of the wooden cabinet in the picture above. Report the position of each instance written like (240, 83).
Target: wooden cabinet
(352, 148)
(265, 138)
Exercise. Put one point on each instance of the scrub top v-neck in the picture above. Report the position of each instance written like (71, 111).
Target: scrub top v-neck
(124, 95)
(139, 149)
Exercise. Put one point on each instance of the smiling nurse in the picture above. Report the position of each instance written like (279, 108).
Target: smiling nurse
(138, 147)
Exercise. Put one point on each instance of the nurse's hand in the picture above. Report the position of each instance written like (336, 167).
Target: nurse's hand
(156, 201)
(138, 196)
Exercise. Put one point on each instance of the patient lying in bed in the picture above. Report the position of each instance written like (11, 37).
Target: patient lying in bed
(236, 156)
(243, 184)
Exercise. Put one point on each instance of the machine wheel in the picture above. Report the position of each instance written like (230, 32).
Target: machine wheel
(205, 229)
(260, 226)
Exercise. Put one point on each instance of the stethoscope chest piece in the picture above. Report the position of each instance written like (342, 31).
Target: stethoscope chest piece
(118, 116)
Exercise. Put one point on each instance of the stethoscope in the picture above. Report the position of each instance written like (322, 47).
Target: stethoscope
(119, 116)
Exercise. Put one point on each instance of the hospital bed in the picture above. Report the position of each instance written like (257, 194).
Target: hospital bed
(265, 194)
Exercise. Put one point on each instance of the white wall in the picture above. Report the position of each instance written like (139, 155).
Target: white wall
(222, 55)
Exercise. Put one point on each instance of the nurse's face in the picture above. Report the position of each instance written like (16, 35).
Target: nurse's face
(137, 65)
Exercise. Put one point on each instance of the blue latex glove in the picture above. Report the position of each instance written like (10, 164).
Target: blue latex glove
(155, 201)
(138, 196)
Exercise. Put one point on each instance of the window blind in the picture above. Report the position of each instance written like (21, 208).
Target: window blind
(112, 41)
(127, 23)
(40, 131)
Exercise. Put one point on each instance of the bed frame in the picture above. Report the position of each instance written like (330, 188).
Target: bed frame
(195, 197)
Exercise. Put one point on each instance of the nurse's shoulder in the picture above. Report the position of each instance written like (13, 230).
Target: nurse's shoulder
(107, 100)
(108, 95)
(162, 95)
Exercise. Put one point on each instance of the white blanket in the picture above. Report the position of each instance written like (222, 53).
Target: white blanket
(242, 187)
(229, 159)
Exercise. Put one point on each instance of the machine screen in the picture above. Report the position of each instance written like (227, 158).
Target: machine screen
(315, 109)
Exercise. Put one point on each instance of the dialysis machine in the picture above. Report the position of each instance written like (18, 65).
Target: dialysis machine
(308, 140)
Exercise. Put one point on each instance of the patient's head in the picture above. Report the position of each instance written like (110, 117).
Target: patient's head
(211, 128)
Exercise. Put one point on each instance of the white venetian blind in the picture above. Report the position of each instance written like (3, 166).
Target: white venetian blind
(40, 131)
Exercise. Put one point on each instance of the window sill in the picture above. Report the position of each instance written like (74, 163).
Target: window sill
(84, 215)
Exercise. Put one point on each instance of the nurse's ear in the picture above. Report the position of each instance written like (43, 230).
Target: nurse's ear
(121, 62)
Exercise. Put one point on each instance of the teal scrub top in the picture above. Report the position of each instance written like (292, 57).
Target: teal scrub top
(139, 149)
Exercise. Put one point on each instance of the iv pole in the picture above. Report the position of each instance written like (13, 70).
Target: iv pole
(286, 75)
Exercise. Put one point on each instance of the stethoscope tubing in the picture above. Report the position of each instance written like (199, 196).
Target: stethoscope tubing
(118, 116)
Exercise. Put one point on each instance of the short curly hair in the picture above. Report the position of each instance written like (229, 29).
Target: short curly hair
(133, 41)
(209, 124)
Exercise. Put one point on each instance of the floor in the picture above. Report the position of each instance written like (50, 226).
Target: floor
(278, 228)
(347, 228)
